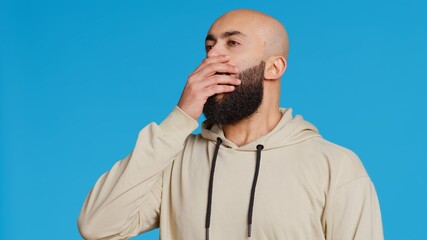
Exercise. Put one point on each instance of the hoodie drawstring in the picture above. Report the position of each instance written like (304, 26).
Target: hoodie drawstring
(252, 197)
(211, 178)
(251, 202)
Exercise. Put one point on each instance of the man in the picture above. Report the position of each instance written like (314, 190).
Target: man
(255, 171)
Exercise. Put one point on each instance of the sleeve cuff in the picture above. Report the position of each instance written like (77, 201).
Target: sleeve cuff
(178, 124)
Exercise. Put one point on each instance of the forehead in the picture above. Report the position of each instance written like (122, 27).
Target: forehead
(228, 23)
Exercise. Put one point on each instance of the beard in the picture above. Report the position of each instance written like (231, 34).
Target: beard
(240, 104)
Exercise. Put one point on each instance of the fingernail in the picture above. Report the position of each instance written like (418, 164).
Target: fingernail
(226, 56)
(239, 81)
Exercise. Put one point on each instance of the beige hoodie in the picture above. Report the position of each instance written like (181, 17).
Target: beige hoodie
(305, 188)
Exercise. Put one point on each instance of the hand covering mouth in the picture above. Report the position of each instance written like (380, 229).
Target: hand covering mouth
(222, 73)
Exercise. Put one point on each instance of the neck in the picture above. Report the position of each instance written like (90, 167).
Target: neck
(259, 124)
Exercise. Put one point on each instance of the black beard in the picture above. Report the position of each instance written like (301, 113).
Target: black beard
(239, 104)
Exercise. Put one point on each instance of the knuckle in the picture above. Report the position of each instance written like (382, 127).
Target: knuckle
(191, 79)
(210, 68)
(191, 74)
(209, 93)
(191, 87)
(216, 79)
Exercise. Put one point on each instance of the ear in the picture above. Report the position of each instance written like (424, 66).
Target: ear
(275, 67)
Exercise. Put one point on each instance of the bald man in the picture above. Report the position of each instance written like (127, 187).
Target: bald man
(255, 171)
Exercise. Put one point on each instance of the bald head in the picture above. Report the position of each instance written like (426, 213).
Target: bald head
(271, 32)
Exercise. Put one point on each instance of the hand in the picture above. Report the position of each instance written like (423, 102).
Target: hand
(203, 83)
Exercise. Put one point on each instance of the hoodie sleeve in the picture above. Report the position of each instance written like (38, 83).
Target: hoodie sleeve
(125, 201)
(356, 212)
(353, 210)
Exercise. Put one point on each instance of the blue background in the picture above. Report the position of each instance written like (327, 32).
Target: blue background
(79, 79)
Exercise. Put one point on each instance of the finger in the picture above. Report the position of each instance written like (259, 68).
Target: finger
(220, 79)
(217, 89)
(210, 60)
(213, 68)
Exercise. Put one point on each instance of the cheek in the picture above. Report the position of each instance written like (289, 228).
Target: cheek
(245, 61)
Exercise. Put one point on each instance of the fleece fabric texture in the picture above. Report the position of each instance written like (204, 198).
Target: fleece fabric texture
(307, 187)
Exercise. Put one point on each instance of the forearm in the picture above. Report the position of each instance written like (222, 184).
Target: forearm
(126, 199)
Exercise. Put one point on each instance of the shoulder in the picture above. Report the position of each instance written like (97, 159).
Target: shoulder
(344, 164)
(195, 142)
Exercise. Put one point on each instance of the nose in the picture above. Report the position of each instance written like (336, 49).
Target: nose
(215, 51)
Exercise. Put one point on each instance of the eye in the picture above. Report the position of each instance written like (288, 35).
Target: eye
(208, 47)
(232, 43)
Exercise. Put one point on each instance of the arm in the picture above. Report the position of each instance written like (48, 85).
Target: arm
(356, 212)
(126, 200)
(352, 210)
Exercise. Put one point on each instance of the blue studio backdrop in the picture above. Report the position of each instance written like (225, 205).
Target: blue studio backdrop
(80, 79)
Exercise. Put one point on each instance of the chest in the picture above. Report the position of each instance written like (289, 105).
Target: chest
(289, 196)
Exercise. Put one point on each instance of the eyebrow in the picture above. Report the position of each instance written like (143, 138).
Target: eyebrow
(227, 34)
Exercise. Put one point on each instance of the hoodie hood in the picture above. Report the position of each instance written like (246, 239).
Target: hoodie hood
(288, 131)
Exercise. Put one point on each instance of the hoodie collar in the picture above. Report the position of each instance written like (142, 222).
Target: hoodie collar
(288, 131)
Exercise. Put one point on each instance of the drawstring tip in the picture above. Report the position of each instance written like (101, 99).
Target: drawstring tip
(207, 233)
(249, 230)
